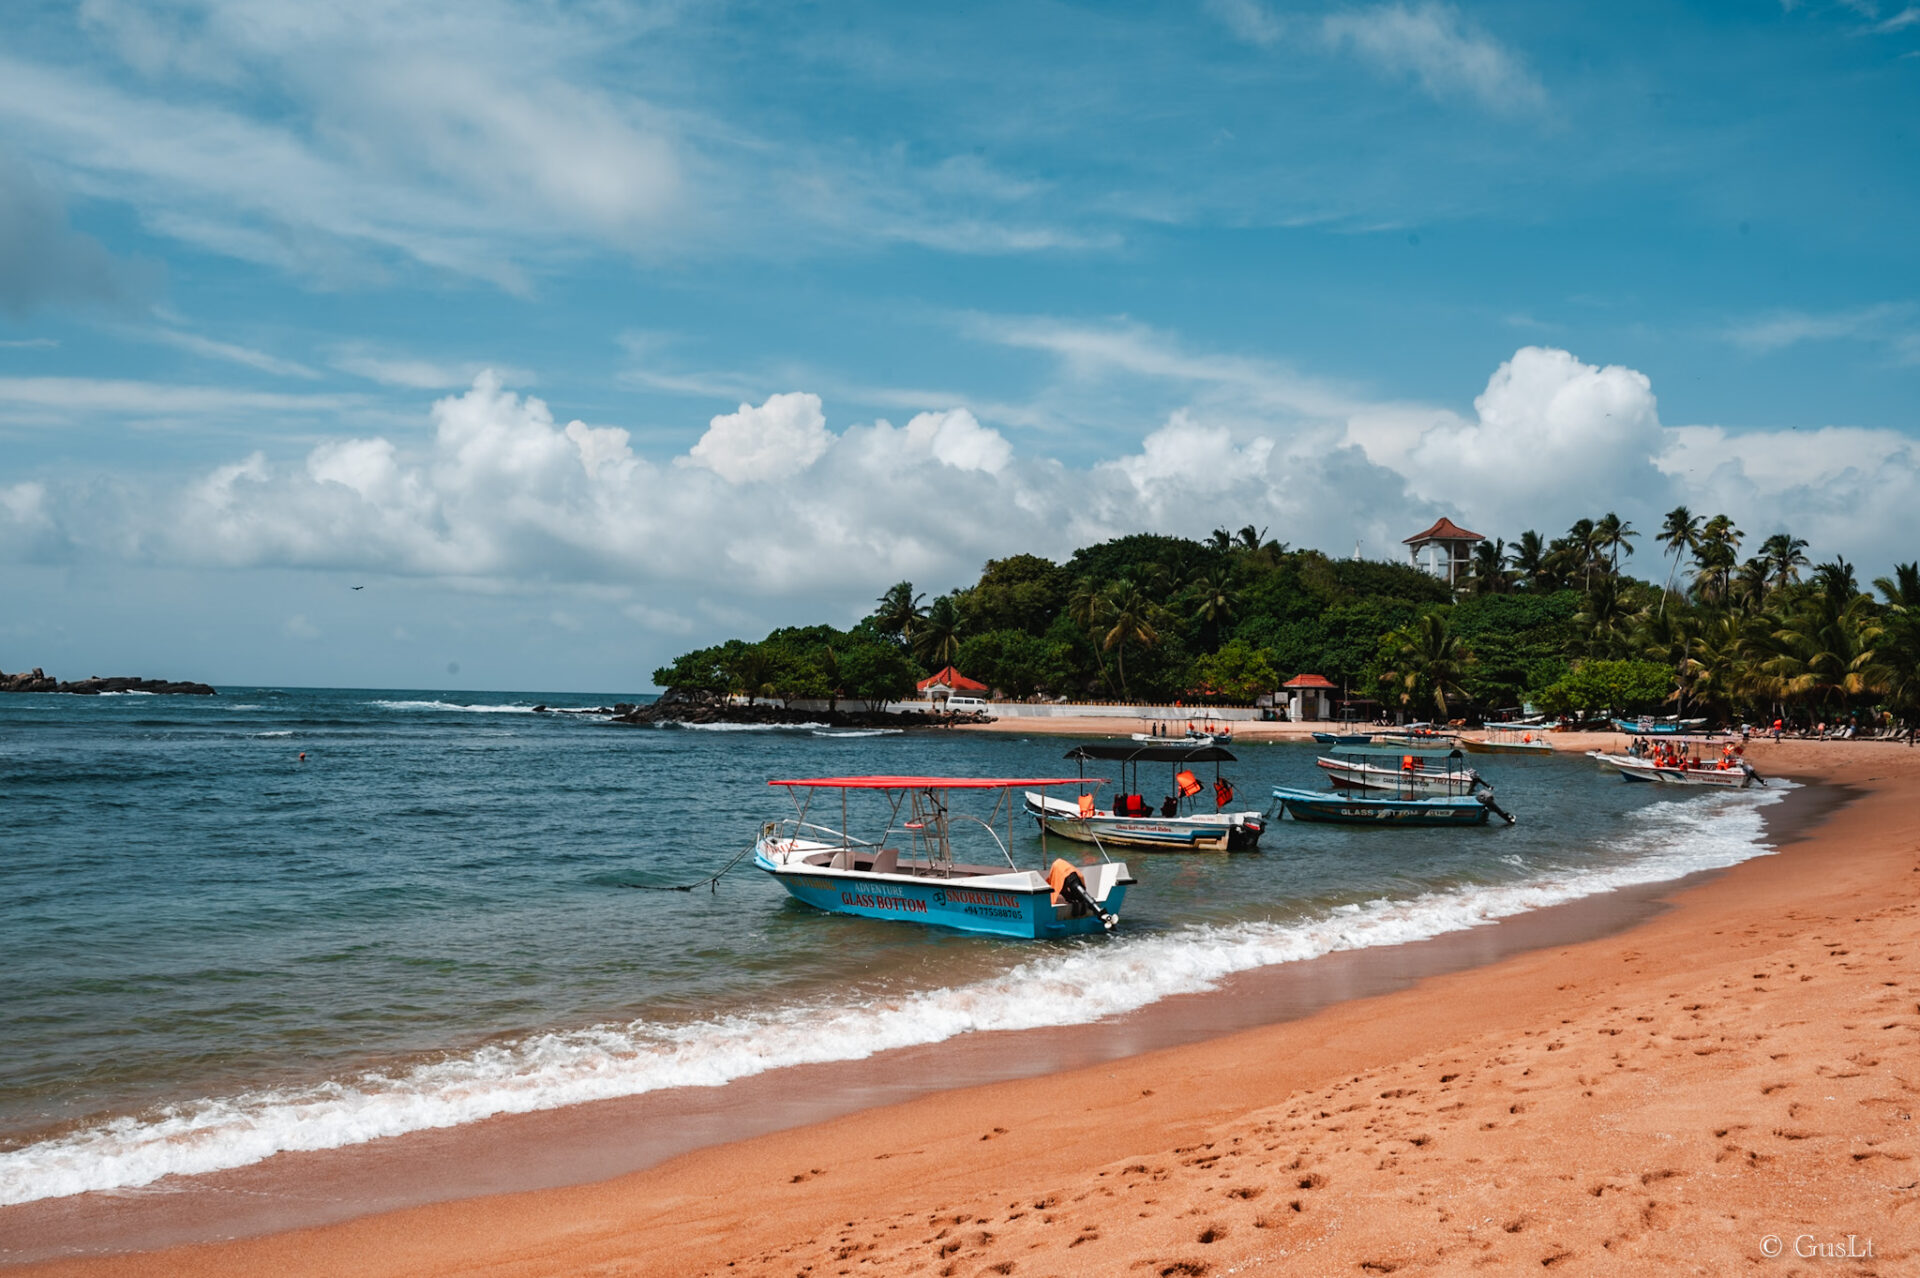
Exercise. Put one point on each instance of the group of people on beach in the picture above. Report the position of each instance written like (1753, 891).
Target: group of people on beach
(1665, 754)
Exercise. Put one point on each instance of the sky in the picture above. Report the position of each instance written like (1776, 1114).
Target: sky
(581, 334)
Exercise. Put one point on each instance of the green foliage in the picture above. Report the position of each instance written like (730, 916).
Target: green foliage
(1611, 687)
(1237, 672)
(1557, 622)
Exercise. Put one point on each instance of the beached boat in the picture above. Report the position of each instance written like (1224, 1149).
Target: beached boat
(1406, 770)
(1648, 726)
(1502, 738)
(1417, 734)
(1738, 775)
(1176, 825)
(1343, 738)
(910, 872)
(1345, 809)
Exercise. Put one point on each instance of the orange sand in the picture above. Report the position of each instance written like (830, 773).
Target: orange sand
(1742, 1068)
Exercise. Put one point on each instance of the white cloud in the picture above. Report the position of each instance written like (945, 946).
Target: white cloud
(770, 506)
(1431, 44)
(1887, 324)
(777, 440)
(228, 351)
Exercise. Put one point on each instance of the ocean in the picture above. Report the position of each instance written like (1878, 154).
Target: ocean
(214, 951)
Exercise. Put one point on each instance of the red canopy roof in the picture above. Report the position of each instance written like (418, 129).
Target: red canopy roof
(1308, 681)
(937, 783)
(1444, 530)
(953, 679)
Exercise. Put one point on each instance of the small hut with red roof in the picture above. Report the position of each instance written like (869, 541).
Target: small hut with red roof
(1444, 550)
(1309, 698)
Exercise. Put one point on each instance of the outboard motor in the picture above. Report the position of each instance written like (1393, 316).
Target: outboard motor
(1068, 886)
(1486, 801)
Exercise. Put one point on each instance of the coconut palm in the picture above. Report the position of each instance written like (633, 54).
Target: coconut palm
(937, 641)
(1128, 616)
(1613, 536)
(1488, 574)
(1530, 558)
(1824, 650)
(1427, 656)
(900, 612)
(1680, 534)
(1716, 557)
(1785, 555)
(1836, 581)
(1216, 601)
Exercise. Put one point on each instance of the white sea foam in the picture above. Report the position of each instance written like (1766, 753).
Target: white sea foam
(284, 733)
(1057, 987)
(857, 732)
(448, 705)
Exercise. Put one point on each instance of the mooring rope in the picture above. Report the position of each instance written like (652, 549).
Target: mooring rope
(711, 882)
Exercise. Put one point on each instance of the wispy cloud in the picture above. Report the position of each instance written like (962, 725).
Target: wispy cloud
(1433, 45)
(208, 348)
(66, 396)
(413, 373)
(1248, 20)
(1887, 324)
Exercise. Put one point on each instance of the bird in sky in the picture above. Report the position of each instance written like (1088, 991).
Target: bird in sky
(359, 587)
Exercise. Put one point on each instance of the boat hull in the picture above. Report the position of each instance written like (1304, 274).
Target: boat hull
(1420, 781)
(1229, 832)
(1504, 747)
(1014, 904)
(1308, 805)
(1713, 778)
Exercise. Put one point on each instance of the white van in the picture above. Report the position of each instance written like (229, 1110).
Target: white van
(956, 704)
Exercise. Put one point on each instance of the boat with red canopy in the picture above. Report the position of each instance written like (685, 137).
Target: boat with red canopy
(910, 871)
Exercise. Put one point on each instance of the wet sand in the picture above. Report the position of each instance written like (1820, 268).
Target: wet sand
(1738, 1065)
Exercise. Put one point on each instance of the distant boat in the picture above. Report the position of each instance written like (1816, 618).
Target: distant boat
(922, 882)
(1407, 770)
(1343, 738)
(1340, 809)
(1648, 726)
(1130, 821)
(1502, 738)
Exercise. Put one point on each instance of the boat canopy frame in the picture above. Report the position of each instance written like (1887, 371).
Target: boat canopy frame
(929, 827)
(1131, 755)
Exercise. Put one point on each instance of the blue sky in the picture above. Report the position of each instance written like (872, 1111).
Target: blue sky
(582, 333)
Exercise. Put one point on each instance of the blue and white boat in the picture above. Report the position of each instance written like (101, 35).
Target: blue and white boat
(910, 872)
(1341, 809)
(1404, 769)
(1176, 824)
(1648, 726)
(1343, 738)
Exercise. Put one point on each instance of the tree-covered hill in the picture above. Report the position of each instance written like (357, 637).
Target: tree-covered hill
(1558, 623)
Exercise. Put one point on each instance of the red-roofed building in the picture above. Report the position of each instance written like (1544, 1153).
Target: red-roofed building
(1309, 697)
(944, 683)
(1445, 550)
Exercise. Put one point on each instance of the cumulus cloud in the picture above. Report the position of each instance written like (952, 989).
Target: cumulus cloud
(1432, 44)
(769, 504)
(781, 437)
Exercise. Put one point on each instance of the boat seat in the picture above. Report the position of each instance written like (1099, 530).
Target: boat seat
(886, 861)
(841, 861)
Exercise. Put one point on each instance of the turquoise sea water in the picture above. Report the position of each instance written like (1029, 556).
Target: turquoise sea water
(214, 951)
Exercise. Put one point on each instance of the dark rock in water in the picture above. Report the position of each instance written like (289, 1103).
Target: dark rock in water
(539, 709)
(94, 685)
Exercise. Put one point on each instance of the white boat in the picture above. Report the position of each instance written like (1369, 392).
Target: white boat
(1407, 770)
(922, 882)
(1175, 825)
(1508, 738)
(1737, 776)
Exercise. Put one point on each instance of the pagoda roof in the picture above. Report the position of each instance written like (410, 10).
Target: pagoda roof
(1444, 529)
(953, 679)
(1308, 681)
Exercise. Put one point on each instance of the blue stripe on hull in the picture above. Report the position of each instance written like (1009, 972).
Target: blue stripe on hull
(998, 913)
(1384, 813)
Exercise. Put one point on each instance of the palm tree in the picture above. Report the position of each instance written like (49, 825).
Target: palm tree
(1221, 540)
(937, 641)
(1613, 535)
(1489, 575)
(900, 612)
(1128, 617)
(1579, 549)
(1680, 534)
(1897, 664)
(1716, 557)
(1785, 556)
(1217, 601)
(1836, 581)
(1530, 558)
(1427, 655)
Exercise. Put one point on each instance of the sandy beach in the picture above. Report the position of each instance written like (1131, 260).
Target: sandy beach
(1726, 1086)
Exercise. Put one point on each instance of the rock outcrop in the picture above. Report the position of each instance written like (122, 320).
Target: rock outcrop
(39, 681)
(684, 705)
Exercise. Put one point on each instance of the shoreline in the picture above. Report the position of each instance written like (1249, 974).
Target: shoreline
(1330, 987)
